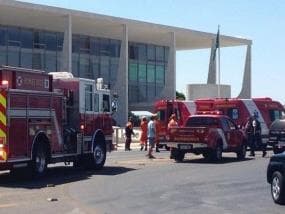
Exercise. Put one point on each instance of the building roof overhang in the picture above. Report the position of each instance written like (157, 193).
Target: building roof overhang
(17, 13)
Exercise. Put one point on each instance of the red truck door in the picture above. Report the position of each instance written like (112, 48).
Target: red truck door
(232, 134)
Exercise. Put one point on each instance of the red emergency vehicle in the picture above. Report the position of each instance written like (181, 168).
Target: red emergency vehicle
(207, 134)
(47, 120)
(239, 110)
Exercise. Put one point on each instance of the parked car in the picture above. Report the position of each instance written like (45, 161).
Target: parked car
(207, 134)
(277, 136)
(276, 177)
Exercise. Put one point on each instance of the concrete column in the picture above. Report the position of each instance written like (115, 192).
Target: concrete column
(212, 74)
(66, 63)
(246, 84)
(170, 74)
(121, 85)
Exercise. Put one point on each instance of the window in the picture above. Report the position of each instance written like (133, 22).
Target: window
(275, 114)
(133, 71)
(233, 113)
(2, 36)
(142, 73)
(151, 52)
(225, 125)
(142, 53)
(75, 64)
(161, 115)
(203, 121)
(115, 46)
(133, 51)
(106, 103)
(142, 93)
(84, 66)
(231, 125)
(104, 47)
(3, 47)
(95, 66)
(159, 53)
(84, 44)
(96, 102)
(50, 41)
(94, 46)
(160, 74)
(104, 68)
(26, 39)
(88, 97)
(75, 44)
(133, 93)
(150, 73)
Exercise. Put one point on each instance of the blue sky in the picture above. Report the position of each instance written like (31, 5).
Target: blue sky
(263, 21)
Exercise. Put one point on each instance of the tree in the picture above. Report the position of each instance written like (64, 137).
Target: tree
(180, 96)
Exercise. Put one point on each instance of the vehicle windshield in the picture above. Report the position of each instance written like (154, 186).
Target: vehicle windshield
(202, 121)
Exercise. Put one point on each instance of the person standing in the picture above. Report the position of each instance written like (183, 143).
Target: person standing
(253, 130)
(143, 139)
(128, 133)
(156, 134)
(151, 136)
(172, 121)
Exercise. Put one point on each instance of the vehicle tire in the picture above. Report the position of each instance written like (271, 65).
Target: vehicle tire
(276, 150)
(180, 156)
(206, 155)
(217, 153)
(39, 161)
(167, 148)
(242, 152)
(99, 155)
(177, 155)
(278, 188)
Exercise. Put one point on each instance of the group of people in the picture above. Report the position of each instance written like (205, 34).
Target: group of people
(253, 132)
(149, 134)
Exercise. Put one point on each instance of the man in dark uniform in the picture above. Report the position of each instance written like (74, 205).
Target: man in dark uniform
(253, 130)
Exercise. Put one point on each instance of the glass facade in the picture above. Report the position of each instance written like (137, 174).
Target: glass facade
(147, 68)
(30, 48)
(38, 49)
(92, 57)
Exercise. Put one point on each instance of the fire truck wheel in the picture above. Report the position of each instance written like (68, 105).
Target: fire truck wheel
(39, 163)
(242, 152)
(99, 156)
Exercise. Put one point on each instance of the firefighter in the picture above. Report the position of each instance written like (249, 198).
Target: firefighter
(143, 139)
(253, 130)
(172, 121)
(128, 133)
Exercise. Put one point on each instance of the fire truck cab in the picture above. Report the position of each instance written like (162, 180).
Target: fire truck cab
(50, 118)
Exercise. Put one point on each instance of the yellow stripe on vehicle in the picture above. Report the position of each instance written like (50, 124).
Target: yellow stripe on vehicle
(2, 134)
(3, 118)
(3, 100)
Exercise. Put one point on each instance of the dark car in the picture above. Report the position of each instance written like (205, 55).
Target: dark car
(276, 177)
(277, 136)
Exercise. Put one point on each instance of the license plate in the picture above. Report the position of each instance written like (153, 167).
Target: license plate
(185, 146)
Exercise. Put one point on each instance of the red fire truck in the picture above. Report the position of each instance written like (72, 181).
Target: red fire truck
(239, 110)
(46, 119)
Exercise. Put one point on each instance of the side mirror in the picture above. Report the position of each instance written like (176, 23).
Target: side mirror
(114, 106)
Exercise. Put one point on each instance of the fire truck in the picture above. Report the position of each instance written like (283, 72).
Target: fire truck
(50, 118)
(239, 110)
